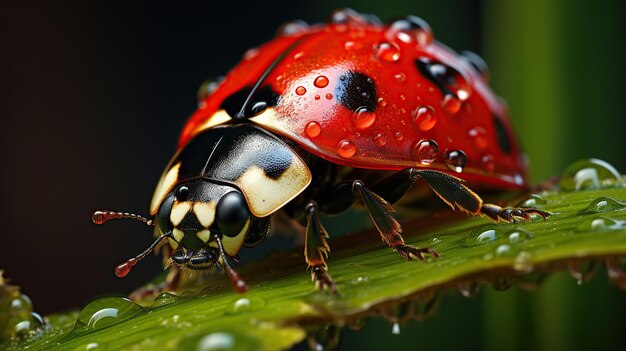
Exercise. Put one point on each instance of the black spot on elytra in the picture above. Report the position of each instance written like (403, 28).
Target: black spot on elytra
(237, 107)
(356, 90)
(504, 139)
(441, 75)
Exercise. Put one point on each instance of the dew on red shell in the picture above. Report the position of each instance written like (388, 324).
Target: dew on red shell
(398, 136)
(312, 129)
(386, 52)
(488, 163)
(329, 96)
(425, 118)
(426, 151)
(346, 149)
(300, 90)
(320, 82)
(363, 117)
(382, 102)
(456, 160)
(380, 139)
(451, 104)
(400, 77)
(317, 97)
(479, 137)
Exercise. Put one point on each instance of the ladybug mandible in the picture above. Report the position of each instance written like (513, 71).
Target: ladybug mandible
(318, 118)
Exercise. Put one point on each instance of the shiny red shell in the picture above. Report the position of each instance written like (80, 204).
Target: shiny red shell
(412, 113)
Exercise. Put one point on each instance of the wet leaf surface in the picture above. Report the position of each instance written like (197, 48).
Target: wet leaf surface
(587, 228)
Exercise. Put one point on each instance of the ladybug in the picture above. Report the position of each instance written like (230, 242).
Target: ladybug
(319, 118)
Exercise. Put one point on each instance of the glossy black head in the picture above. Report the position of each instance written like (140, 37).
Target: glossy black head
(198, 211)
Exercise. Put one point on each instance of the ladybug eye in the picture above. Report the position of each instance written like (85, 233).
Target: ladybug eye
(182, 193)
(232, 214)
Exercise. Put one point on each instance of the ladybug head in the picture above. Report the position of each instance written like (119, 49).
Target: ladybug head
(205, 223)
(205, 218)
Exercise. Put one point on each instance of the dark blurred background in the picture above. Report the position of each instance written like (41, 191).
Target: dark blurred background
(94, 96)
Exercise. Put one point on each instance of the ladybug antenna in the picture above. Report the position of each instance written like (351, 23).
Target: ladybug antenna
(124, 268)
(100, 217)
(238, 284)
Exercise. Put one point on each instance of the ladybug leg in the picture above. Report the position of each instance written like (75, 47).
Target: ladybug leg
(316, 249)
(452, 191)
(510, 214)
(380, 212)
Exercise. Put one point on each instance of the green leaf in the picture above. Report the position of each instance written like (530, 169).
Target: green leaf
(281, 307)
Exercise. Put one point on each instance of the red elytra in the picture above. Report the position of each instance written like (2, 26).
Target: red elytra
(311, 63)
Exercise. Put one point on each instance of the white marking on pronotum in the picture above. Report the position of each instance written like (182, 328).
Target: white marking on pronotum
(266, 195)
(205, 212)
(179, 211)
(165, 184)
(219, 117)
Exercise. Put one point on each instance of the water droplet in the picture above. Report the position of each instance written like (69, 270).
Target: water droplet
(386, 52)
(451, 104)
(468, 289)
(583, 270)
(403, 97)
(425, 117)
(347, 16)
(426, 151)
(600, 224)
(456, 160)
(250, 54)
(298, 55)
(244, 304)
(317, 97)
(258, 107)
(92, 346)
(359, 280)
(501, 283)
(518, 235)
(483, 235)
(479, 137)
(415, 26)
(346, 149)
(105, 312)
(506, 250)
(363, 117)
(398, 136)
(165, 299)
(351, 45)
(320, 82)
(329, 96)
(523, 262)
(589, 174)
(216, 341)
(477, 63)
(395, 329)
(21, 303)
(400, 77)
(312, 129)
(382, 102)
(488, 163)
(380, 139)
(207, 88)
(292, 28)
(534, 201)
(300, 90)
(604, 204)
